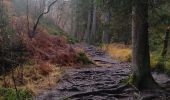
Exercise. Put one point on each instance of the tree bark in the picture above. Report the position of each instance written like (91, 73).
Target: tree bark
(142, 77)
(165, 45)
(28, 24)
(93, 28)
(89, 23)
(105, 37)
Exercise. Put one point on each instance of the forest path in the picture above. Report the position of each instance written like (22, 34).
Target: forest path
(96, 83)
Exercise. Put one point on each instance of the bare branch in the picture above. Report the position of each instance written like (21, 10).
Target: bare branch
(33, 33)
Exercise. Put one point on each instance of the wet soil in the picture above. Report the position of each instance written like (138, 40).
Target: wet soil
(103, 81)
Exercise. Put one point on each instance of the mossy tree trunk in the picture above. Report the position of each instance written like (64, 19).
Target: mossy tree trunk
(142, 77)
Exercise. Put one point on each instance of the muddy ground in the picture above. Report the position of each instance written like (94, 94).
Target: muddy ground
(106, 80)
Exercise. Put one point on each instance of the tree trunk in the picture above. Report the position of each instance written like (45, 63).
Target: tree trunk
(72, 19)
(165, 45)
(89, 23)
(105, 37)
(93, 28)
(142, 77)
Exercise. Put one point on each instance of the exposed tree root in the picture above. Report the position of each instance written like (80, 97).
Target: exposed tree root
(103, 83)
(117, 92)
(149, 97)
(154, 95)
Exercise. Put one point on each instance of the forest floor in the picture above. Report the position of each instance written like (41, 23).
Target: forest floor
(105, 80)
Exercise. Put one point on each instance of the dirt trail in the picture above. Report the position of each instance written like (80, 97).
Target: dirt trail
(97, 83)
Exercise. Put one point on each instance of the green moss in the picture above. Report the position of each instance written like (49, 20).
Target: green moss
(132, 79)
(11, 94)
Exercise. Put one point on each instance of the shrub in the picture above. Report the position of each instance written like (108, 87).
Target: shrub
(82, 58)
(71, 39)
(12, 50)
(159, 64)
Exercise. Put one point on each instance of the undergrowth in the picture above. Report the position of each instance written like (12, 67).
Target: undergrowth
(83, 59)
(12, 94)
(32, 78)
(71, 39)
(55, 30)
(159, 64)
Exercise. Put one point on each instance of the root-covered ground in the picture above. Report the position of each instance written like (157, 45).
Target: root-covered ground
(107, 81)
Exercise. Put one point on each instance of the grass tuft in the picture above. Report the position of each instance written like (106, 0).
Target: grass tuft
(118, 51)
(11, 94)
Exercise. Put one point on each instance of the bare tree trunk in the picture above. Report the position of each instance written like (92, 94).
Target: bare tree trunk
(89, 23)
(165, 45)
(142, 77)
(93, 28)
(105, 37)
(28, 24)
(74, 18)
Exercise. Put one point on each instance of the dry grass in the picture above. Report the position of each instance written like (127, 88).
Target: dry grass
(118, 51)
(32, 78)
